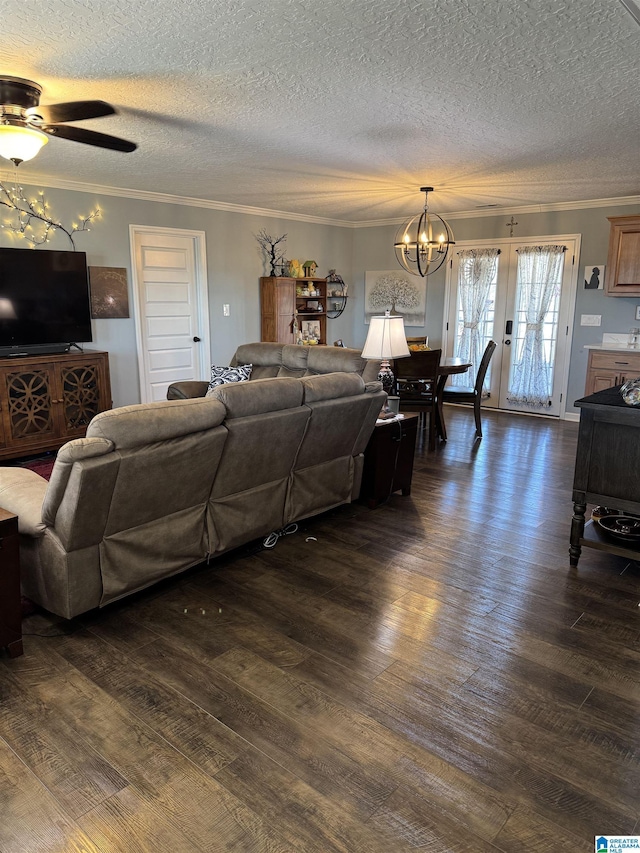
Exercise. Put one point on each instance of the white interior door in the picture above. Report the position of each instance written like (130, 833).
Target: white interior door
(504, 322)
(172, 317)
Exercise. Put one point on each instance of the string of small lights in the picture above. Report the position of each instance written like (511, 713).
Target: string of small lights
(32, 219)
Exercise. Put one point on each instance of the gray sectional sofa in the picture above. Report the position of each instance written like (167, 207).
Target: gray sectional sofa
(269, 360)
(156, 488)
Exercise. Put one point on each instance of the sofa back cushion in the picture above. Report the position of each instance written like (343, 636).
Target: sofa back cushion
(144, 502)
(343, 415)
(265, 357)
(335, 359)
(272, 359)
(144, 423)
(265, 424)
(255, 398)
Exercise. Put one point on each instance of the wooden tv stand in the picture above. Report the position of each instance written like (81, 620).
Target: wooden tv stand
(46, 400)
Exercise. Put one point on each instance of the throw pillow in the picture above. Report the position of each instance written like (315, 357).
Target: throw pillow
(224, 375)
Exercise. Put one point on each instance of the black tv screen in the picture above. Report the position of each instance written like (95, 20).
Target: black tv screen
(44, 298)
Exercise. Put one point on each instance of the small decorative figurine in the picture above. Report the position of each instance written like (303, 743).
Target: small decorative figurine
(339, 288)
(309, 268)
(295, 270)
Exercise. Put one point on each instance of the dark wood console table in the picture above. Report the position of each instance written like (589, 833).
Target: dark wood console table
(607, 470)
(388, 460)
(10, 605)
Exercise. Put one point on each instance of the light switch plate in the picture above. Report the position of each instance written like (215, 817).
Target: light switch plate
(637, 312)
(225, 310)
(590, 319)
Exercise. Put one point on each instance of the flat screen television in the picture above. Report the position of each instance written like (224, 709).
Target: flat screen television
(44, 301)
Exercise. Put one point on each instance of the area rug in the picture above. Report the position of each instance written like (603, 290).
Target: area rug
(44, 467)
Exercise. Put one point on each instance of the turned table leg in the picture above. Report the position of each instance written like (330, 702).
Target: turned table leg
(577, 529)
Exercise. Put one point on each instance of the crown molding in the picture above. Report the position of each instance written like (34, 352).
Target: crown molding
(166, 198)
(520, 209)
(188, 201)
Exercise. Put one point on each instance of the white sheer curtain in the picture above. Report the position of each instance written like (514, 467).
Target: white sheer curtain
(476, 273)
(539, 281)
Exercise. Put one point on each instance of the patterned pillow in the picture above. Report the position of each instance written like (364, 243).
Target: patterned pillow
(224, 375)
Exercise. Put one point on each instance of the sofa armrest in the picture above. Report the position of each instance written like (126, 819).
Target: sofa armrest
(187, 389)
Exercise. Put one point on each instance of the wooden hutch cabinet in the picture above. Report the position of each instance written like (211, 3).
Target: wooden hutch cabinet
(623, 263)
(281, 308)
(47, 400)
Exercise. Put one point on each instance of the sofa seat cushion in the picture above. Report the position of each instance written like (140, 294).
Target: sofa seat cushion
(22, 492)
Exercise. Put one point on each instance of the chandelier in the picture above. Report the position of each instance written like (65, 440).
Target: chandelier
(422, 244)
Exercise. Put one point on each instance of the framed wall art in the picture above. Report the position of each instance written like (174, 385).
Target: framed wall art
(395, 291)
(109, 293)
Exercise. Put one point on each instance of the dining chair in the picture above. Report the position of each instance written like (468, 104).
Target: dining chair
(463, 394)
(421, 340)
(416, 382)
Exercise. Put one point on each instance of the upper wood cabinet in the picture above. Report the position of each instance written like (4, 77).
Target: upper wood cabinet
(622, 277)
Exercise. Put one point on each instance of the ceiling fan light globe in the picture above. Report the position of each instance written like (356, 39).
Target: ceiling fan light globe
(20, 143)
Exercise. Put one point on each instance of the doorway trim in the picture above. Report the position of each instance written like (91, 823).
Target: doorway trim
(202, 294)
(498, 242)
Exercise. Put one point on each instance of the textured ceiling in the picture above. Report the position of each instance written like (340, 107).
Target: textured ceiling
(342, 108)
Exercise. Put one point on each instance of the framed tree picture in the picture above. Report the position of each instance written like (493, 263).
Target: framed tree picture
(395, 291)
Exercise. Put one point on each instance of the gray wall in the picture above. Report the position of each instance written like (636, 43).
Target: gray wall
(373, 250)
(235, 264)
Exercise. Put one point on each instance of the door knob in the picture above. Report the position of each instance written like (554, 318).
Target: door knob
(196, 340)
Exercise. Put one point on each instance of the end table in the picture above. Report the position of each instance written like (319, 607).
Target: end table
(388, 459)
(10, 605)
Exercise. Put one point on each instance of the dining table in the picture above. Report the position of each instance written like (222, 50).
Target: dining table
(448, 367)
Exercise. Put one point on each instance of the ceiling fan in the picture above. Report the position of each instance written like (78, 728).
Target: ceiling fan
(25, 124)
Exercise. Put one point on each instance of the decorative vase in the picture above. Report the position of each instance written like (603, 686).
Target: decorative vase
(630, 392)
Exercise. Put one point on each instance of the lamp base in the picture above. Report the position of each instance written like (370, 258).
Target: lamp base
(385, 375)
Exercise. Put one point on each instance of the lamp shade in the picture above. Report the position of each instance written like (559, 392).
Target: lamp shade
(20, 143)
(386, 339)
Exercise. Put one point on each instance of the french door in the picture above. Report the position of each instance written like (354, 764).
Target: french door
(525, 303)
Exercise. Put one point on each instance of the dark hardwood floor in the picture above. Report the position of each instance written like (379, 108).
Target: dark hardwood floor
(427, 675)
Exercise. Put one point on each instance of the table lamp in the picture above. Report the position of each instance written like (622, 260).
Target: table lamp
(386, 340)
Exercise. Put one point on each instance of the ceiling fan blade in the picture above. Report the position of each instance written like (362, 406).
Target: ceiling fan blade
(72, 111)
(89, 137)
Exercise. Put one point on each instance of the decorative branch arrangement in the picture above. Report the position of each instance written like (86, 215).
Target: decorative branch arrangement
(269, 245)
(394, 289)
(33, 220)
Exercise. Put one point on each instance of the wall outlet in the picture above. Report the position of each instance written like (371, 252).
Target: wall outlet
(590, 319)
(637, 312)
(226, 312)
